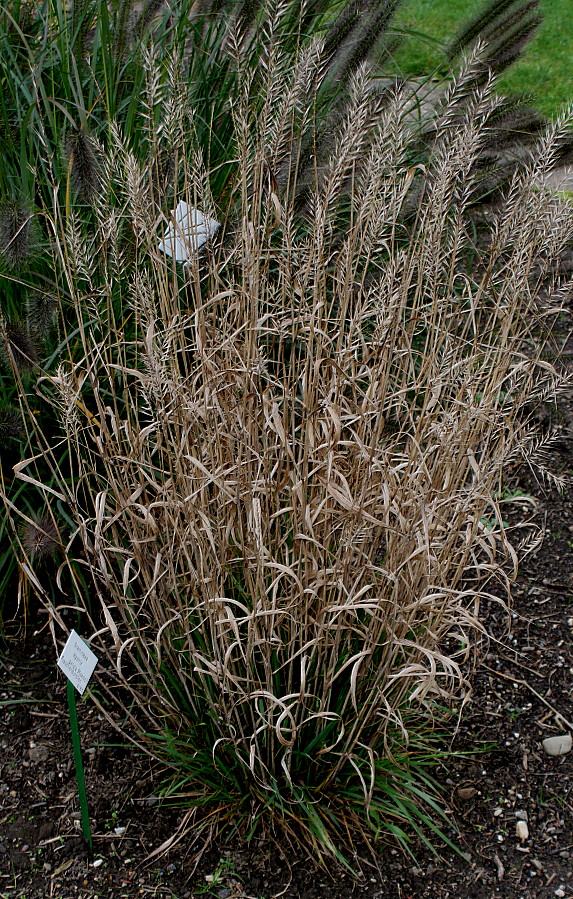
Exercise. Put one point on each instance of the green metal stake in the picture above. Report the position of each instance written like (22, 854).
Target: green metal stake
(74, 727)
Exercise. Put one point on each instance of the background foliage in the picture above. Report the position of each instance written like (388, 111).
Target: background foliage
(543, 73)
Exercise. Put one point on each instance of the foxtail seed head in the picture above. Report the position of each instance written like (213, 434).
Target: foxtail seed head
(84, 165)
(11, 426)
(40, 538)
(41, 313)
(19, 346)
(16, 233)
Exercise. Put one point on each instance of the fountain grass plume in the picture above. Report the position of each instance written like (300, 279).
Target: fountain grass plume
(19, 345)
(17, 234)
(504, 25)
(83, 159)
(11, 426)
(41, 313)
(40, 538)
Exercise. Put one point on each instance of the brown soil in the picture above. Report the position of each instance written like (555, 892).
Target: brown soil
(523, 679)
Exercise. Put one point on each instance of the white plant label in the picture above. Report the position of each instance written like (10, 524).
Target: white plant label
(187, 233)
(77, 661)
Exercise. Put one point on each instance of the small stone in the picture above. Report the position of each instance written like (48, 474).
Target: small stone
(97, 863)
(38, 753)
(224, 893)
(560, 745)
(151, 801)
(497, 812)
(560, 892)
(521, 816)
(466, 793)
(522, 831)
(119, 831)
(171, 868)
(209, 878)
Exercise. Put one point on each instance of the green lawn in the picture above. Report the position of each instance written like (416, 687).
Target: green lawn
(545, 72)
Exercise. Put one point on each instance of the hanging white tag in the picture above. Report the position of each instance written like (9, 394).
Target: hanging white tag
(77, 661)
(190, 230)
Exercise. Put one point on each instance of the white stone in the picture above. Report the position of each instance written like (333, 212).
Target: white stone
(522, 831)
(560, 745)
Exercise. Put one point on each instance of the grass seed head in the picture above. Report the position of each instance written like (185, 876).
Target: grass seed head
(19, 346)
(40, 538)
(84, 164)
(146, 17)
(41, 313)
(17, 237)
(11, 426)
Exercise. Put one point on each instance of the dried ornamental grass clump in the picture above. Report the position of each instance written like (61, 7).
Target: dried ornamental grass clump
(283, 462)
